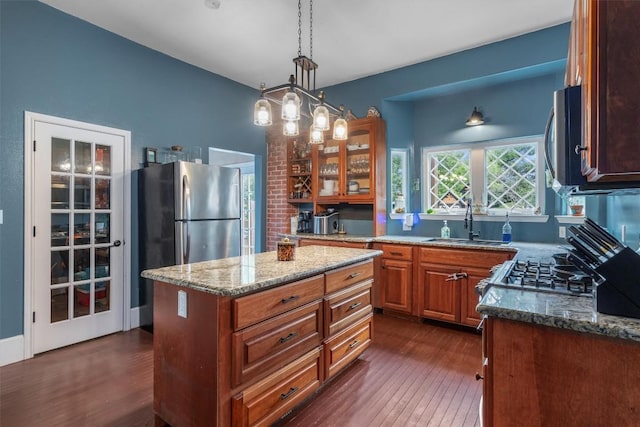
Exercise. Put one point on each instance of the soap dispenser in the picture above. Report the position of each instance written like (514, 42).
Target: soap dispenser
(506, 231)
(445, 232)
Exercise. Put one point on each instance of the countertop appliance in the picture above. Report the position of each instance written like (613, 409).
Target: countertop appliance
(187, 213)
(326, 223)
(304, 221)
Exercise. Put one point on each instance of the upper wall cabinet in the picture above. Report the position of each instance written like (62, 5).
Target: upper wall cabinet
(352, 170)
(603, 56)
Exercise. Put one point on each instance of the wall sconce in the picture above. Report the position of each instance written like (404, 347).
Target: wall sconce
(475, 118)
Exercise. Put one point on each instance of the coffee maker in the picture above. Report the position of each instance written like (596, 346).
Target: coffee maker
(304, 222)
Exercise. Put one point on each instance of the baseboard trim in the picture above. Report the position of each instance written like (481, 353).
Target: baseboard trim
(11, 350)
(134, 320)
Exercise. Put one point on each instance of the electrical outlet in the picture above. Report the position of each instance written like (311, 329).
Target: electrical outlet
(562, 232)
(182, 304)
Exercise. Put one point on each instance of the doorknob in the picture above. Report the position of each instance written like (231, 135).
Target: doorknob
(117, 243)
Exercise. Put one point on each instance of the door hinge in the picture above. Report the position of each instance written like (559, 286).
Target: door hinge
(34, 145)
(34, 317)
(34, 231)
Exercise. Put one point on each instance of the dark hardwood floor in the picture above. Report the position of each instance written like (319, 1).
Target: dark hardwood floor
(414, 374)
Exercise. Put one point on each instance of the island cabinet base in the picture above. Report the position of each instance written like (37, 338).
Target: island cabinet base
(248, 360)
(542, 376)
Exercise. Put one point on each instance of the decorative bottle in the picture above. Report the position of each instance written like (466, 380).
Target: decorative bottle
(506, 231)
(445, 232)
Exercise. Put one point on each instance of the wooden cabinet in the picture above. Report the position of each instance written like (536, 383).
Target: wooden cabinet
(603, 51)
(264, 403)
(439, 292)
(352, 171)
(249, 360)
(447, 279)
(538, 375)
(396, 278)
(299, 171)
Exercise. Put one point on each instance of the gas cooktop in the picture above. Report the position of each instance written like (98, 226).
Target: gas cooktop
(543, 276)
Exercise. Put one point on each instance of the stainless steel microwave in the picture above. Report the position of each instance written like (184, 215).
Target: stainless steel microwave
(563, 139)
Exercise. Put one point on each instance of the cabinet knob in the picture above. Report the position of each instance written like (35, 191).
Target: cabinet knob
(579, 148)
(479, 377)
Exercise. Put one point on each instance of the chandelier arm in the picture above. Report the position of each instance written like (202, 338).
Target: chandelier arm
(306, 93)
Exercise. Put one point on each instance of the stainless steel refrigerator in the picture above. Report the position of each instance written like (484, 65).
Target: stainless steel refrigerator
(187, 212)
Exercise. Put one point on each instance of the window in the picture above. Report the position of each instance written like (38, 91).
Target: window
(498, 176)
(399, 180)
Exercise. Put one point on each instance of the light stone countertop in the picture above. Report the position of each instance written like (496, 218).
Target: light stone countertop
(525, 250)
(248, 273)
(576, 313)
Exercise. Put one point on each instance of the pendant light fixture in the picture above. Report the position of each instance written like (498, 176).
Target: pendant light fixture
(315, 136)
(340, 127)
(299, 101)
(321, 115)
(262, 110)
(290, 128)
(291, 103)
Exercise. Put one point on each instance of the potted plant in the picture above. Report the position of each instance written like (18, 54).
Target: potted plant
(576, 205)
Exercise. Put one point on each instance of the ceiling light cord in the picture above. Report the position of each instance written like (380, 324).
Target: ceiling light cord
(299, 27)
(311, 29)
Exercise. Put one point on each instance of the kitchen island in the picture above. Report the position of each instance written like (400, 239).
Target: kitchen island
(244, 340)
(551, 359)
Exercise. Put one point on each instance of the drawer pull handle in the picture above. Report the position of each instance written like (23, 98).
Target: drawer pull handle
(291, 298)
(289, 337)
(292, 390)
(396, 253)
(353, 344)
(356, 305)
(456, 276)
(354, 275)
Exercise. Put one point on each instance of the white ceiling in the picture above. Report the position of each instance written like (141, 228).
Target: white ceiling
(253, 41)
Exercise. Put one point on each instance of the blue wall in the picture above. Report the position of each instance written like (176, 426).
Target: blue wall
(512, 82)
(55, 64)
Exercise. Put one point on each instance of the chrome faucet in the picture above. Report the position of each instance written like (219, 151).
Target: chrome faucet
(468, 220)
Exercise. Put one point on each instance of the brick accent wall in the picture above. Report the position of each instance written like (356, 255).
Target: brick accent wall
(279, 212)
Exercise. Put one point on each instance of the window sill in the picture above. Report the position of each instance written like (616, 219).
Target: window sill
(570, 219)
(486, 218)
(398, 215)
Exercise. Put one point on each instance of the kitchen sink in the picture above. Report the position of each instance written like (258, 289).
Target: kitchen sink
(475, 242)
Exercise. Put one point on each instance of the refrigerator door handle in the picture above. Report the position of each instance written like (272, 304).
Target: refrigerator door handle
(186, 198)
(186, 243)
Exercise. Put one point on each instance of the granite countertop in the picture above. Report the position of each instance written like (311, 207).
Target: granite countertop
(526, 250)
(244, 274)
(576, 313)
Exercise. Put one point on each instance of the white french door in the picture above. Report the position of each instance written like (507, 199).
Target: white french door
(78, 265)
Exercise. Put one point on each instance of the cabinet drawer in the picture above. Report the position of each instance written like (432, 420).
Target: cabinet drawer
(265, 402)
(464, 257)
(261, 348)
(254, 308)
(347, 276)
(397, 252)
(347, 345)
(343, 308)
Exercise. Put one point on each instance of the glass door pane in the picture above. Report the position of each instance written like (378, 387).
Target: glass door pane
(329, 169)
(358, 164)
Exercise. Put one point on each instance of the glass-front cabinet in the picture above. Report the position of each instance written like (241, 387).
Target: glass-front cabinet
(346, 170)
